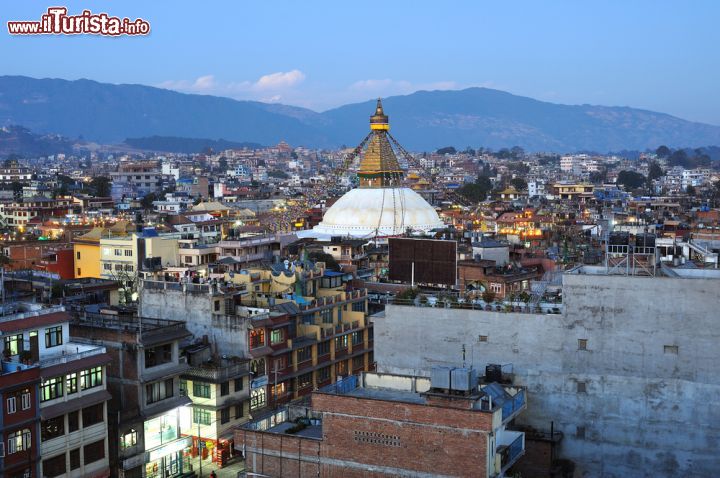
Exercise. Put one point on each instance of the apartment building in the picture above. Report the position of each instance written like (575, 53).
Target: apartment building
(300, 327)
(138, 178)
(382, 425)
(219, 388)
(18, 213)
(57, 406)
(149, 419)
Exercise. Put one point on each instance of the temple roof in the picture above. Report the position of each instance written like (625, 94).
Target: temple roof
(379, 166)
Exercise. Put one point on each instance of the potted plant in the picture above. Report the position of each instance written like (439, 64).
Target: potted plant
(26, 357)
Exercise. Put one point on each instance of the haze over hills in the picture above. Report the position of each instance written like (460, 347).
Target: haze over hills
(424, 120)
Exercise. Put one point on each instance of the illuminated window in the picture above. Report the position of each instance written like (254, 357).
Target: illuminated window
(257, 398)
(128, 439)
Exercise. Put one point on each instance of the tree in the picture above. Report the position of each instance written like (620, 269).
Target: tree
(100, 186)
(663, 151)
(447, 150)
(147, 201)
(654, 172)
(630, 179)
(477, 191)
(222, 164)
(598, 177)
(276, 173)
(517, 152)
(690, 190)
(519, 183)
(488, 296)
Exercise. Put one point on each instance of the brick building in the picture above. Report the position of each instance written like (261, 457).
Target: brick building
(381, 425)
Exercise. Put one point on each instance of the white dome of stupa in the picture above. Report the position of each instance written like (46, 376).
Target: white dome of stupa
(380, 207)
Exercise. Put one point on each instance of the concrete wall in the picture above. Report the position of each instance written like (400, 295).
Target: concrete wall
(646, 411)
(227, 333)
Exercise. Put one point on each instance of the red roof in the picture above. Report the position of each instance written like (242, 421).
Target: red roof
(34, 321)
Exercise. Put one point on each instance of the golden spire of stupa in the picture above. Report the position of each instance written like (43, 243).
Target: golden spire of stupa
(379, 166)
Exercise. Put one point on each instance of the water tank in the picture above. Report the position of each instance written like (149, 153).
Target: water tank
(619, 238)
(440, 377)
(463, 379)
(645, 240)
(493, 373)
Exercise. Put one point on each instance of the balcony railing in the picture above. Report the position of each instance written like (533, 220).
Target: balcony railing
(510, 454)
(219, 373)
(514, 405)
(70, 357)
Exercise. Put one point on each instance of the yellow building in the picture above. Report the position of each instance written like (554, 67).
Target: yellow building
(86, 249)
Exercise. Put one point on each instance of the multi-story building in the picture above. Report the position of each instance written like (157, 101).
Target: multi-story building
(219, 388)
(18, 213)
(54, 411)
(300, 328)
(381, 425)
(138, 179)
(149, 419)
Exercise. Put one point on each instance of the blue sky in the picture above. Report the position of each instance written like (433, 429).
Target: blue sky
(658, 55)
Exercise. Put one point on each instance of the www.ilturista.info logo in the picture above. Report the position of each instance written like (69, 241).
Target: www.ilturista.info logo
(57, 22)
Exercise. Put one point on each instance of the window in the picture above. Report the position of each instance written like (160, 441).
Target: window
(323, 348)
(11, 405)
(52, 428)
(224, 389)
(225, 415)
(257, 367)
(304, 380)
(357, 337)
(483, 338)
(216, 305)
(128, 439)
(304, 354)
(91, 377)
(54, 466)
(78, 255)
(277, 336)
(238, 384)
(341, 342)
(71, 383)
(358, 362)
(201, 417)
(26, 399)
(358, 306)
(129, 268)
(201, 389)
(53, 336)
(257, 398)
(157, 391)
(580, 432)
(118, 252)
(93, 414)
(79, 271)
(238, 411)
(183, 388)
(51, 388)
(671, 349)
(158, 355)
(75, 459)
(73, 421)
(327, 316)
(324, 374)
(581, 387)
(18, 441)
(257, 338)
(341, 368)
(13, 344)
(582, 344)
(128, 252)
(107, 267)
(94, 452)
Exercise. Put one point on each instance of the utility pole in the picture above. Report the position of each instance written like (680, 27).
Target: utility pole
(199, 448)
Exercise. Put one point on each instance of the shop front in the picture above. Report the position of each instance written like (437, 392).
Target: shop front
(166, 449)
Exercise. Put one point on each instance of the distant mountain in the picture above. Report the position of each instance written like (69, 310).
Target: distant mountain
(173, 144)
(422, 121)
(17, 140)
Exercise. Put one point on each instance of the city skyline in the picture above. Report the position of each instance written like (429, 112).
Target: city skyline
(620, 55)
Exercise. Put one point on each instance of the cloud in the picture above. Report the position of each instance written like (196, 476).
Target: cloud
(273, 83)
(279, 80)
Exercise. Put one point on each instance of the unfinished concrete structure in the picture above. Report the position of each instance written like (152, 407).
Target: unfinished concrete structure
(629, 371)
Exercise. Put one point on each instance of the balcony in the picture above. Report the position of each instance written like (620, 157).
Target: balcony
(511, 407)
(510, 447)
(69, 353)
(219, 373)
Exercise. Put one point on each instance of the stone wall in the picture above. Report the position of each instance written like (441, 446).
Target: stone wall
(641, 400)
